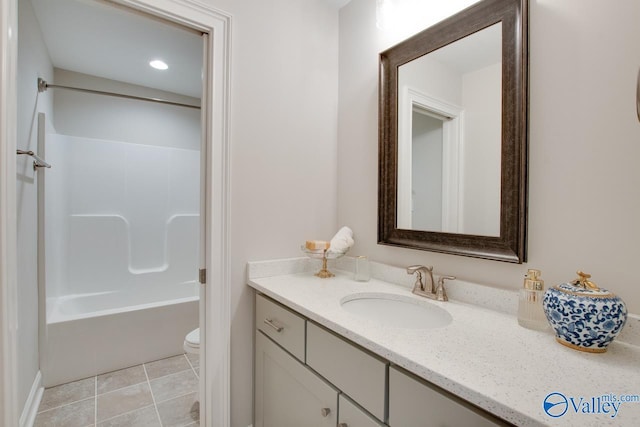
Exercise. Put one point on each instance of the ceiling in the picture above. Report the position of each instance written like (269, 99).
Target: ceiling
(112, 42)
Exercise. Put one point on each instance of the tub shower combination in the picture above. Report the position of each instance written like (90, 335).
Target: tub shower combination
(121, 254)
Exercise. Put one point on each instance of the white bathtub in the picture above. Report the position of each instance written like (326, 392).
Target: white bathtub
(121, 253)
(91, 334)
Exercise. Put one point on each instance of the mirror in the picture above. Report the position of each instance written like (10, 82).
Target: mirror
(449, 137)
(453, 135)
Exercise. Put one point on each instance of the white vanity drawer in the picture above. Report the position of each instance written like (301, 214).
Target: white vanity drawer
(413, 402)
(359, 374)
(281, 325)
(352, 416)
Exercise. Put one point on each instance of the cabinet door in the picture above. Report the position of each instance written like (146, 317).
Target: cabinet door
(359, 374)
(288, 394)
(415, 403)
(350, 415)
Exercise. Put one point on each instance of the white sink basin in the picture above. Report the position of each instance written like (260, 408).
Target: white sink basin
(396, 311)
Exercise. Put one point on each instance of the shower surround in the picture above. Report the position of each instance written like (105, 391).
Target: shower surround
(121, 254)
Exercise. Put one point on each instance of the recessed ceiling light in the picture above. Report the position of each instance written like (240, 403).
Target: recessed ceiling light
(158, 64)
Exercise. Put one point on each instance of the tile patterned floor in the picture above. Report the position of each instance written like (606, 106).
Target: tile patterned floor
(162, 393)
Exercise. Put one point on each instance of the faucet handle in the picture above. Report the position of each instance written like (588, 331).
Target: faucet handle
(420, 285)
(441, 293)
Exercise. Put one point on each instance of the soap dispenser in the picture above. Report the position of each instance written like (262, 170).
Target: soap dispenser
(530, 312)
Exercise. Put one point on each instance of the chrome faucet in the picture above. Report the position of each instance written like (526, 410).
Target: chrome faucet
(420, 288)
(428, 289)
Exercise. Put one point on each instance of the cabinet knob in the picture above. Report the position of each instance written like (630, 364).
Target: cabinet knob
(325, 412)
(273, 325)
(343, 425)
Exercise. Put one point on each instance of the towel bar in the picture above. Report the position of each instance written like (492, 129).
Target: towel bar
(37, 161)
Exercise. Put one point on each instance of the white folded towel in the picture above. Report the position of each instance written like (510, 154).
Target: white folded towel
(342, 241)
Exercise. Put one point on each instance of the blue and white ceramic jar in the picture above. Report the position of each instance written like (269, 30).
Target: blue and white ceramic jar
(584, 316)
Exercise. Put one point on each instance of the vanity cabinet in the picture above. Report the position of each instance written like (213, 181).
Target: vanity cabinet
(308, 376)
(288, 394)
(357, 373)
(350, 415)
(414, 402)
(300, 369)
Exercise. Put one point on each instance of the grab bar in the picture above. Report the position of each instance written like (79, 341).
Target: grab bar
(37, 161)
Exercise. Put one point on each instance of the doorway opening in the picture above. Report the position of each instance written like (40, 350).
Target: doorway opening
(213, 157)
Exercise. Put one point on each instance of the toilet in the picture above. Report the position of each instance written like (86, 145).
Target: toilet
(192, 342)
(192, 345)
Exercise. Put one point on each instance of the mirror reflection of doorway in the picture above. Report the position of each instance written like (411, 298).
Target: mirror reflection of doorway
(430, 147)
(426, 157)
(463, 92)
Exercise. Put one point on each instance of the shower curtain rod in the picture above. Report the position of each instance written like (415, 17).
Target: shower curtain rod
(43, 85)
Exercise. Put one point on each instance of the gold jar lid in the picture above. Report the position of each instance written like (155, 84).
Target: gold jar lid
(582, 286)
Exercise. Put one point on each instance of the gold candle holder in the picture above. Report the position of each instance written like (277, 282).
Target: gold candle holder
(324, 255)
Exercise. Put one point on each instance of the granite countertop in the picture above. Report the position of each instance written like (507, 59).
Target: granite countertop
(483, 355)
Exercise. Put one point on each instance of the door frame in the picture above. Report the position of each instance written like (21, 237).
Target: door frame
(215, 359)
(9, 412)
(452, 156)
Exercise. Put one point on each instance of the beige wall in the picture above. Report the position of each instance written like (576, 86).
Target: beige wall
(284, 109)
(481, 147)
(33, 62)
(584, 146)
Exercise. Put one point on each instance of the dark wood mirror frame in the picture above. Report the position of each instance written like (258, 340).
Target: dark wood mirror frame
(510, 246)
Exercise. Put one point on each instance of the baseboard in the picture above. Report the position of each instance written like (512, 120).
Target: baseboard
(30, 410)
